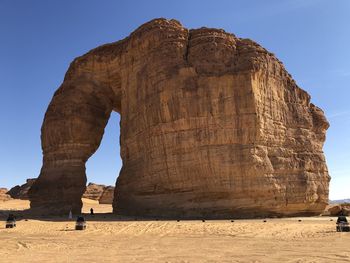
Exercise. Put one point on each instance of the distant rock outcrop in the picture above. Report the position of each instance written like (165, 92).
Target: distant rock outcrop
(3, 194)
(338, 209)
(21, 192)
(212, 125)
(93, 191)
(107, 195)
(99, 192)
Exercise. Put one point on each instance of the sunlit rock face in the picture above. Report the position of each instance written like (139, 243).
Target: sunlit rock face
(99, 192)
(212, 126)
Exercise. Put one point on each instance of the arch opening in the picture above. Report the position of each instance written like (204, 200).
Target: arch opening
(104, 165)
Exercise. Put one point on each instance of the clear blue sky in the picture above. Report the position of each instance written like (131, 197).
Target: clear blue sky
(38, 40)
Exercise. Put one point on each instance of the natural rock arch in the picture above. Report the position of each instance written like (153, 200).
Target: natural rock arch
(211, 125)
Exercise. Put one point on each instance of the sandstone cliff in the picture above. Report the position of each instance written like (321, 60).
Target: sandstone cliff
(107, 195)
(93, 191)
(212, 125)
(99, 192)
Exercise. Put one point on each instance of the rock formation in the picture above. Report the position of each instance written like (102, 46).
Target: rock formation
(338, 209)
(107, 195)
(3, 195)
(99, 192)
(21, 192)
(212, 125)
(93, 191)
(14, 192)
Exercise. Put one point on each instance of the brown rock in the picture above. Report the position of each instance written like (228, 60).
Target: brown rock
(3, 195)
(212, 125)
(336, 210)
(94, 191)
(107, 195)
(21, 192)
(14, 191)
(99, 192)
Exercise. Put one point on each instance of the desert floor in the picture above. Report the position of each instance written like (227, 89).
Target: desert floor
(111, 239)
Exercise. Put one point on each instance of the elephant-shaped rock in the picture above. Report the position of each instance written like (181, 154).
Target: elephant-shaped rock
(212, 126)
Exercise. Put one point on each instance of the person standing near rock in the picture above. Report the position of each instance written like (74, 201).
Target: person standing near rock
(91, 211)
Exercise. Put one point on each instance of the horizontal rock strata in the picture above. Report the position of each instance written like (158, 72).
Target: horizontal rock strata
(99, 192)
(212, 125)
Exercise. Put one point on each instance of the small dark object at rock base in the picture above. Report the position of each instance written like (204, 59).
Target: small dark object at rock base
(80, 223)
(342, 224)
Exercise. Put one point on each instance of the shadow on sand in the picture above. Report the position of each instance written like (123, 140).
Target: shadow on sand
(28, 214)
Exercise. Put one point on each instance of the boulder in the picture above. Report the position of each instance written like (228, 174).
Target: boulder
(212, 125)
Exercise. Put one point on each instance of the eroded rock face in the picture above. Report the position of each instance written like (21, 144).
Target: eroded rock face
(99, 192)
(107, 195)
(3, 195)
(212, 125)
(340, 209)
(21, 191)
(93, 191)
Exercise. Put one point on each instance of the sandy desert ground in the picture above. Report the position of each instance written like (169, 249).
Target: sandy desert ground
(111, 239)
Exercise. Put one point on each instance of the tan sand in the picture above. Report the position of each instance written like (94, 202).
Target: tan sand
(108, 239)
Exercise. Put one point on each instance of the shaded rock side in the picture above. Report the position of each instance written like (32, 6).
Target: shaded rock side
(212, 125)
(21, 192)
(107, 195)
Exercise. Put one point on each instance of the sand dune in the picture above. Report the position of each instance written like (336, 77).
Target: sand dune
(110, 239)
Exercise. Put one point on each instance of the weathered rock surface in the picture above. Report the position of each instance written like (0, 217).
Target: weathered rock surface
(212, 125)
(3, 194)
(21, 192)
(99, 192)
(93, 191)
(107, 195)
(336, 210)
